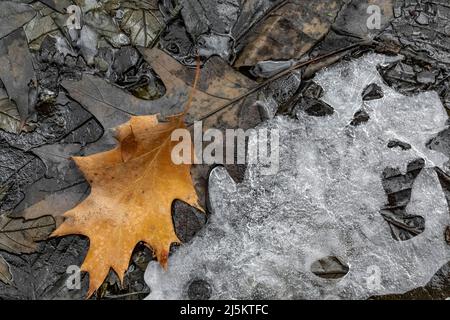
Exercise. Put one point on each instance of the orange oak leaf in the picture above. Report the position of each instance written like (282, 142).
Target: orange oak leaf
(132, 190)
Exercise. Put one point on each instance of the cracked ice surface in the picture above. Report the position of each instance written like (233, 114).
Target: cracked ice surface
(266, 232)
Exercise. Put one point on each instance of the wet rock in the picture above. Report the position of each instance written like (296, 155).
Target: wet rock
(360, 117)
(399, 144)
(372, 92)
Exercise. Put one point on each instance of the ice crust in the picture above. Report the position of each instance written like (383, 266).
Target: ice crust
(265, 233)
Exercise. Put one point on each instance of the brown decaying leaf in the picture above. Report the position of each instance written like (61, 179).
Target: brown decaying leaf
(219, 85)
(5, 274)
(288, 32)
(20, 236)
(131, 197)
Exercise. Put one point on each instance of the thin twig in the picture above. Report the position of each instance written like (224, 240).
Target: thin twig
(278, 76)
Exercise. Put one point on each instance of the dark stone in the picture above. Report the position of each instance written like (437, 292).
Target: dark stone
(360, 117)
(372, 92)
(199, 289)
(399, 144)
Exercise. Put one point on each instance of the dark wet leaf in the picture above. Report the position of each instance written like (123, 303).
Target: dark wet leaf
(105, 26)
(41, 26)
(360, 117)
(5, 274)
(398, 188)
(394, 143)
(187, 221)
(9, 115)
(20, 236)
(372, 92)
(251, 12)
(330, 268)
(288, 32)
(143, 24)
(17, 73)
(58, 5)
(13, 16)
(202, 16)
(44, 275)
(421, 30)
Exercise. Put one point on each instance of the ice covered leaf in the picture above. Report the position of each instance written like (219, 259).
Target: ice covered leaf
(13, 16)
(5, 273)
(266, 234)
(144, 24)
(20, 236)
(132, 190)
(17, 72)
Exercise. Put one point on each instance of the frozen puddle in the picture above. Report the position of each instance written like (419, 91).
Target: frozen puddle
(267, 232)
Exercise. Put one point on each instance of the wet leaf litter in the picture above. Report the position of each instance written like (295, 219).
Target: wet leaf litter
(64, 90)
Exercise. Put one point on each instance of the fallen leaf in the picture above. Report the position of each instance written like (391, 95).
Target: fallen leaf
(58, 5)
(106, 27)
(219, 85)
(17, 73)
(202, 16)
(288, 32)
(143, 24)
(13, 16)
(20, 236)
(5, 274)
(132, 190)
(41, 26)
(9, 116)
(48, 273)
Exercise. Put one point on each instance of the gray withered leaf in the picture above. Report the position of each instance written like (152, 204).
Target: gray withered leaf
(13, 15)
(17, 72)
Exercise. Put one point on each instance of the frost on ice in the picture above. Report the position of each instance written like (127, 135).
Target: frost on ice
(326, 200)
